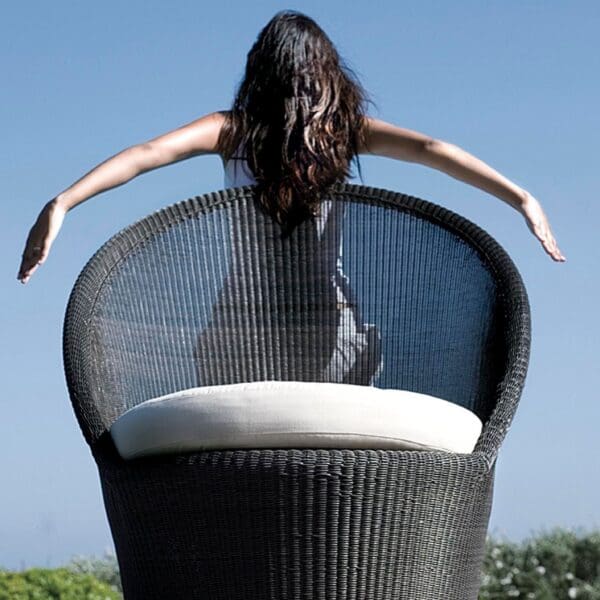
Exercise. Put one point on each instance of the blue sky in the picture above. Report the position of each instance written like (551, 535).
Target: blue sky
(514, 83)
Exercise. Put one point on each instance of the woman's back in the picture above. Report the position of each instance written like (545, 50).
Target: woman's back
(237, 173)
(322, 320)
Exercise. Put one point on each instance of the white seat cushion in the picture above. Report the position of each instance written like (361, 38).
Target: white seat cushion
(294, 414)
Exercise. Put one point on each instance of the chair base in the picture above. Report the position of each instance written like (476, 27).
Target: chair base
(292, 524)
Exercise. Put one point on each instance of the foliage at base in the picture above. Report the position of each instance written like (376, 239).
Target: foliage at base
(555, 565)
(54, 584)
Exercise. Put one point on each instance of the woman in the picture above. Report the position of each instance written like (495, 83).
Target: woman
(299, 116)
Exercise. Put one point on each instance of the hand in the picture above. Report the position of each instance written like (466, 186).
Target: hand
(40, 238)
(539, 226)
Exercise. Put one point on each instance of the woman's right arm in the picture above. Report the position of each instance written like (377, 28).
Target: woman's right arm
(195, 138)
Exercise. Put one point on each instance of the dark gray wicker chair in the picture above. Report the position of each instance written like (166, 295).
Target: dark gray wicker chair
(453, 320)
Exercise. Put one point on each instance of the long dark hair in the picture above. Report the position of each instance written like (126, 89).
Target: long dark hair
(298, 117)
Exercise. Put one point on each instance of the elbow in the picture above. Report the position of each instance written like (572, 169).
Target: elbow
(432, 145)
(144, 157)
(435, 146)
(435, 151)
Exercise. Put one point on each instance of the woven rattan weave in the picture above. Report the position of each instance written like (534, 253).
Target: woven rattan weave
(207, 292)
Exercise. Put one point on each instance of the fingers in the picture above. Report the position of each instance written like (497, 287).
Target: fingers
(540, 227)
(34, 255)
(550, 246)
(27, 269)
(40, 239)
(27, 275)
(553, 251)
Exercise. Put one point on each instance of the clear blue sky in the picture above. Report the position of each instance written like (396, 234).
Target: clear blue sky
(514, 83)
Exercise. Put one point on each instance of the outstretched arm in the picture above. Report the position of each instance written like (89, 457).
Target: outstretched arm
(385, 139)
(198, 137)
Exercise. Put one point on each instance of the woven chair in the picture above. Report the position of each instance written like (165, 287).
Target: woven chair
(206, 292)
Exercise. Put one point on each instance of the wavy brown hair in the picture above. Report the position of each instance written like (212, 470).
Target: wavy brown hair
(297, 117)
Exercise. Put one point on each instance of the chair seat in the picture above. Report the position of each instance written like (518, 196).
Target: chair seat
(293, 414)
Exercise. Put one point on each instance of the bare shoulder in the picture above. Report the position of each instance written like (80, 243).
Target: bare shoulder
(386, 139)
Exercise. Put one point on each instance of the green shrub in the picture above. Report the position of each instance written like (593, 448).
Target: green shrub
(105, 569)
(559, 565)
(551, 566)
(54, 584)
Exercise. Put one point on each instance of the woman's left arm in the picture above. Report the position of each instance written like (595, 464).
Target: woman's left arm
(385, 139)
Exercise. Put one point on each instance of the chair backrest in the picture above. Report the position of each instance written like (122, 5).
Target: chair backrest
(207, 292)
